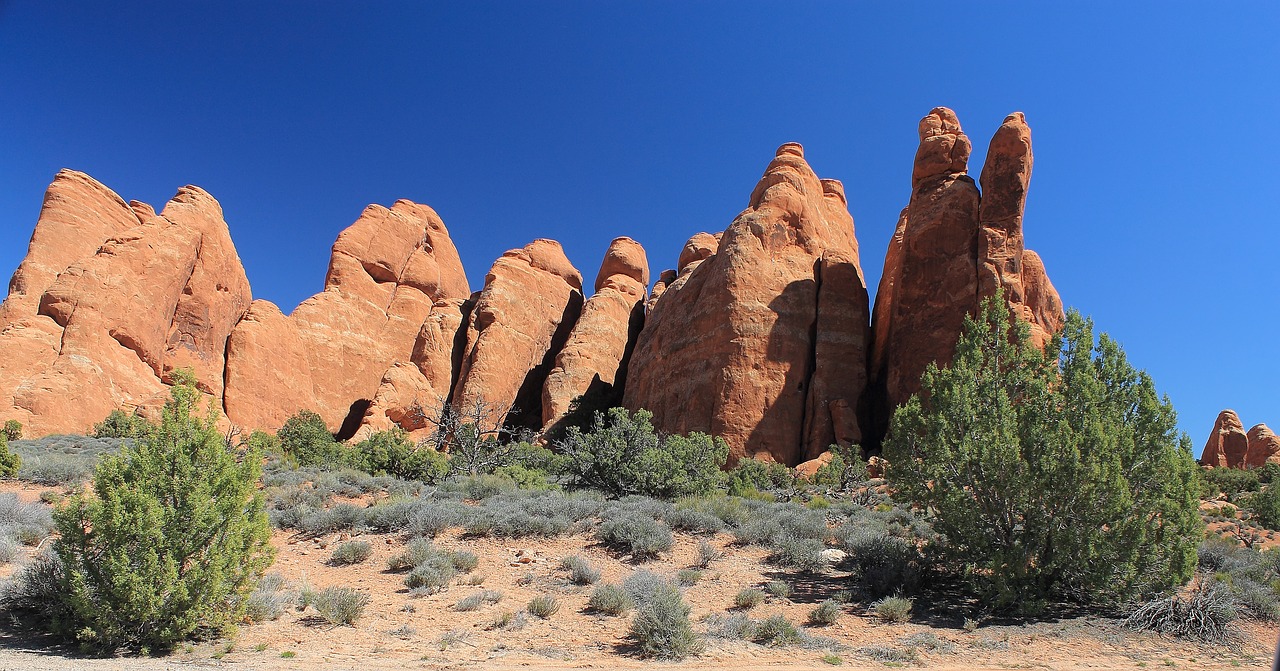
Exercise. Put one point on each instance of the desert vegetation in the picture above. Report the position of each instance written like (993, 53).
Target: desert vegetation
(169, 542)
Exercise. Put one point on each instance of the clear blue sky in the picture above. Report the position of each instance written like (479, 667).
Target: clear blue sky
(1153, 203)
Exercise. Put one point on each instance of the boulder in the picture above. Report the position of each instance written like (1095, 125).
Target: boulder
(1263, 447)
(531, 299)
(593, 360)
(732, 348)
(1228, 444)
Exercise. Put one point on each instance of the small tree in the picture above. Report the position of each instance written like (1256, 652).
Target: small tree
(10, 461)
(623, 454)
(119, 424)
(305, 438)
(1051, 476)
(172, 539)
(470, 434)
(13, 430)
(391, 453)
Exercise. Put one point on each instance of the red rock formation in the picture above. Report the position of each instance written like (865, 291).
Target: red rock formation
(1263, 447)
(386, 272)
(268, 372)
(78, 215)
(665, 278)
(592, 359)
(409, 393)
(951, 248)
(740, 325)
(1227, 444)
(160, 293)
(521, 319)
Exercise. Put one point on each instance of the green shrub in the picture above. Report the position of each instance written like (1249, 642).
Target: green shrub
(1229, 481)
(464, 561)
(894, 609)
(171, 540)
(752, 476)
(12, 430)
(1058, 475)
(748, 598)
(707, 553)
(266, 601)
(661, 627)
(391, 453)
(775, 630)
(610, 600)
(543, 606)
(119, 424)
(305, 438)
(475, 601)
(623, 454)
(10, 461)
(688, 577)
(351, 552)
(1266, 506)
(778, 588)
(581, 572)
(643, 537)
(844, 472)
(825, 614)
(803, 554)
(340, 605)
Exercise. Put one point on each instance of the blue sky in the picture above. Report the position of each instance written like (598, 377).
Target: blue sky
(1153, 200)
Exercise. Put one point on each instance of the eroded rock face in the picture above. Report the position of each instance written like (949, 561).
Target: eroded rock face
(268, 372)
(731, 348)
(78, 215)
(1227, 443)
(386, 272)
(1263, 447)
(952, 248)
(593, 359)
(160, 292)
(531, 299)
(409, 393)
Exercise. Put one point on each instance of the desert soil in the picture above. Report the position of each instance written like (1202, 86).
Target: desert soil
(403, 631)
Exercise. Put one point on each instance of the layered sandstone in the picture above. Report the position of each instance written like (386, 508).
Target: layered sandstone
(593, 360)
(522, 318)
(760, 341)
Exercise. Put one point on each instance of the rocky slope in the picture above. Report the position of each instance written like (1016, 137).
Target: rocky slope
(761, 334)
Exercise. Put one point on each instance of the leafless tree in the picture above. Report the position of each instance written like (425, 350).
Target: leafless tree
(470, 433)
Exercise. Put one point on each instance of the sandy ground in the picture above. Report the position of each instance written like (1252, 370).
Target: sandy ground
(402, 631)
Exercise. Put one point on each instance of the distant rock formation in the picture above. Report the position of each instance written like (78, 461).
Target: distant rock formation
(762, 338)
(761, 334)
(1264, 447)
(1227, 444)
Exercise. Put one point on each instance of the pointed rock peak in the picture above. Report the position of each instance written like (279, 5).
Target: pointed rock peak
(1009, 159)
(144, 211)
(1261, 430)
(624, 257)
(700, 247)
(834, 187)
(1229, 420)
(74, 179)
(944, 148)
(192, 198)
(548, 255)
(790, 149)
